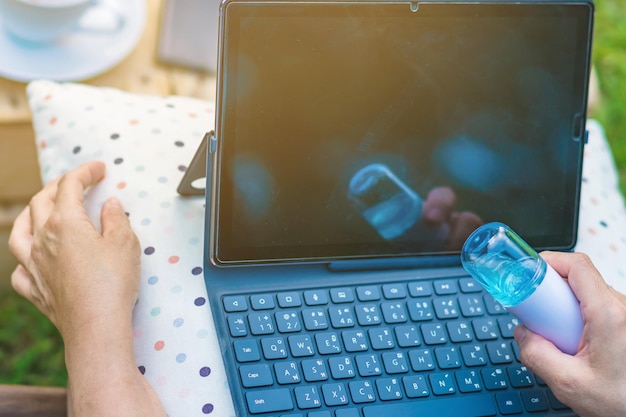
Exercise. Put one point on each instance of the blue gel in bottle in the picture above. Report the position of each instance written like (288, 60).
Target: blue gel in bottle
(517, 277)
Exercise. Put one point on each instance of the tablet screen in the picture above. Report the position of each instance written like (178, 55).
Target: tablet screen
(356, 130)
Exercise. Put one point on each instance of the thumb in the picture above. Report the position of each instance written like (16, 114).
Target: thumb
(541, 356)
(113, 218)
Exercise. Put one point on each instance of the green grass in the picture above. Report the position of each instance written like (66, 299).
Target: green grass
(31, 351)
(610, 62)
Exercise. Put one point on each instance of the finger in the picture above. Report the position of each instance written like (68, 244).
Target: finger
(542, 357)
(582, 276)
(21, 282)
(21, 237)
(42, 204)
(439, 204)
(113, 218)
(73, 184)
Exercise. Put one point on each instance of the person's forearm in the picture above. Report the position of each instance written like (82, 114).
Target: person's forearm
(103, 377)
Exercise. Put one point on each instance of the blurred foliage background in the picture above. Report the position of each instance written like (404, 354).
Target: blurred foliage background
(31, 350)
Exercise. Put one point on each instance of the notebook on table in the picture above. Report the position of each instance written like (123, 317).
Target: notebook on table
(339, 126)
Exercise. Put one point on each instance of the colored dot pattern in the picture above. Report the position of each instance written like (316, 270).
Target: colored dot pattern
(147, 142)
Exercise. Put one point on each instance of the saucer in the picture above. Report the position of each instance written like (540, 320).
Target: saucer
(78, 55)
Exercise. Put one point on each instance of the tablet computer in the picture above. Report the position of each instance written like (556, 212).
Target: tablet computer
(339, 122)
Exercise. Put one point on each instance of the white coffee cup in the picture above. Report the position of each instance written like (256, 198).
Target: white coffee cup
(46, 21)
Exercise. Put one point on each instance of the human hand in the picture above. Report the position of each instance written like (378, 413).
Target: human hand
(593, 381)
(72, 273)
(86, 283)
(440, 210)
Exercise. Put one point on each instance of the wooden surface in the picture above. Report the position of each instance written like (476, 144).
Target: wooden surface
(26, 401)
(139, 72)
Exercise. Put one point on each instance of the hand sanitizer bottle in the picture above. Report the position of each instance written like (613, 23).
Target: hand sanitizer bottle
(516, 276)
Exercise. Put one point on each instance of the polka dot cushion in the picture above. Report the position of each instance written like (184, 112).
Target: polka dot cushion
(147, 143)
(602, 223)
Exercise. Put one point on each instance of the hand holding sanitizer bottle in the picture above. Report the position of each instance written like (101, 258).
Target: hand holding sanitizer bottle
(517, 277)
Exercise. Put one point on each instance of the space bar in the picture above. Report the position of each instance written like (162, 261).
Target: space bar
(467, 406)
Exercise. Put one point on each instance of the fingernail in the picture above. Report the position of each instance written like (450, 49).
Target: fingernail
(114, 202)
(519, 333)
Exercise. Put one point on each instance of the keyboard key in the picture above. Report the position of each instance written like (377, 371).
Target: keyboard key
(389, 389)
(442, 383)
(471, 306)
(485, 329)
(421, 360)
(534, 400)
(341, 295)
(315, 297)
(307, 397)
(394, 313)
(347, 412)
(314, 370)
(259, 375)
(493, 307)
(315, 319)
(462, 406)
(261, 323)
(381, 338)
(395, 363)
(520, 376)
(288, 322)
(246, 350)
(368, 293)
(420, 310)
(434, 334)
(368, 365)
(448, 357)
(446, 308)
(407, 336)
(469, 285)
(362, 392)
(445, 286)
(473, 355)
(237, 326)
(327, 343)
(236, 303)
(459, 331)
(354, 340)
(468, 381)
(334, 394)
(301, 345)
(499, 352)
(341, 317)
(416, 386)
(319, 414)
(341, 367)
(394, 291)
(273, 348)
(262, 302)
(287, 373)
(269, 400)
(367, 315)
(494, 378)
(509, 402)
(289, 299)
(420, 289)
(507, 325)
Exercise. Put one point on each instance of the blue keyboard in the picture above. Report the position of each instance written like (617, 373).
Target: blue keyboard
(426, 348)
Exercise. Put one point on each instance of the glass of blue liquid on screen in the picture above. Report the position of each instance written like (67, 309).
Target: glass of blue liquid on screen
(517, 277)
(389, 205)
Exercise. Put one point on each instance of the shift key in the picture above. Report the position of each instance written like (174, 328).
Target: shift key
(269, 400)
